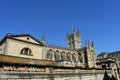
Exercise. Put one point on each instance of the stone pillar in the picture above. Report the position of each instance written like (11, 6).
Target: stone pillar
(83, 58)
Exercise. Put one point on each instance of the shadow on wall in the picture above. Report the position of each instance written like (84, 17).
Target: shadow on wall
(107, 77)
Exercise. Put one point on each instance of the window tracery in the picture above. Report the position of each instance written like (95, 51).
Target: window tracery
(69, 56)
(63, 56)
(80, 57)
(74, 57)
(57, 56)
(50, 55)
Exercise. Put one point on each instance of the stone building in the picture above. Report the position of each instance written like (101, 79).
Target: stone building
(24, 57)
(113, 55)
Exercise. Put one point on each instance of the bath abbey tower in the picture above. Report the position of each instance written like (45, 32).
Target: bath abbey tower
(87, 54)
(74, 40)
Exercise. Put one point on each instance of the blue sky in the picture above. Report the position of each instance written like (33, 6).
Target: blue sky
(97, 20)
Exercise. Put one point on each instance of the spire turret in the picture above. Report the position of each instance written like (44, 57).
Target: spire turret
(73, 30)
(43, 40)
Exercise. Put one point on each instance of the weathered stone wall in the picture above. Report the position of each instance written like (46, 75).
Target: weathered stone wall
(94, 75)
(14, 49)
(2, 48)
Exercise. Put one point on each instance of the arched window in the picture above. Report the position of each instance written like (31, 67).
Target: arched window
(74, 57)
(69, 56)
(26, 51)
(50, 55)
(80, 57)
(57, 56)
(63, 56)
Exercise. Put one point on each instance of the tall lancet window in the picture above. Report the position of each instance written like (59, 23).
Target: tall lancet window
(50, 55)
(69, 57)
(57, 56)
(80, 57)
(63, 56)
(74, 57)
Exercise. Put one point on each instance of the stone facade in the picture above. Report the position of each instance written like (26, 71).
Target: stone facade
(74, 55)
(24, 57)
(113, 55)
(89, 75)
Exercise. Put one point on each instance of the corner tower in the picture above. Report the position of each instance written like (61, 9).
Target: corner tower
(91, 55)
(74, 41)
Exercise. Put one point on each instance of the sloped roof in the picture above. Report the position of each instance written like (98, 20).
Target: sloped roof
(114, 52)
(102, 54)
(19, 35)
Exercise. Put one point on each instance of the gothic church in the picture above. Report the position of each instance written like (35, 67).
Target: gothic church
(24, 55)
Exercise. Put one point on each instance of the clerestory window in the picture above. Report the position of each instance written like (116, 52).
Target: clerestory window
(74, 57)
(50, 55)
